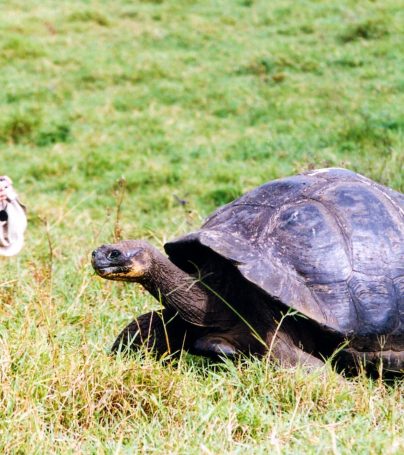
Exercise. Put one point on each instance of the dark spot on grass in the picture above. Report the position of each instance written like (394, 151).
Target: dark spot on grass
(293, 30)
(347, 62)
(366, 30)
(393, 125)
(19, 127)
(121, 104)
(307, 29)
(261, 66)
(283, 13)
(49, 168)
(56, 134)
(16, 97)
(221, 196)
(224, 112)
(249, 149)
(39, 95)
(131, 14)
(274, 68)
(369, 132)
(122, 78)
(96, 80)
(89, 80)
(198, 152)
(247, 3)
(90, 16)
(99, 163)
(258, 116)
(278, 77)
(19, 48)
(141, 180)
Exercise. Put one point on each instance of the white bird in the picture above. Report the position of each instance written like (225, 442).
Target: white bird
(13, 219)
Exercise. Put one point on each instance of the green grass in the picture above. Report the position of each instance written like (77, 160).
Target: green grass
(191, 100)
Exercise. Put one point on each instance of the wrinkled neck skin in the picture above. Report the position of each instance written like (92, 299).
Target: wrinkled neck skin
(177, 290)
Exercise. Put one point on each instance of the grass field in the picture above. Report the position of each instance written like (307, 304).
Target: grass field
(192, 101)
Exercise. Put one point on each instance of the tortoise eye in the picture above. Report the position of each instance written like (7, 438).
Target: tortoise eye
(114, 254)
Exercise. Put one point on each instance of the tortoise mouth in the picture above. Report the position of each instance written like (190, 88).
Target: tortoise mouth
(108, 270)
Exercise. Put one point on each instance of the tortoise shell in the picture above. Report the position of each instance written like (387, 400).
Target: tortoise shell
(328, 243)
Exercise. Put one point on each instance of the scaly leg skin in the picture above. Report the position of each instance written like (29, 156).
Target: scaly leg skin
(229, 343)
(214, 346)
(159, 332)
(283, 348)
(239, 339)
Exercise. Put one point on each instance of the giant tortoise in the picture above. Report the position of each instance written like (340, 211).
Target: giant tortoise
(298, 268)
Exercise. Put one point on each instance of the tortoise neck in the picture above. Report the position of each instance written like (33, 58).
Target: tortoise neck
(176, 290)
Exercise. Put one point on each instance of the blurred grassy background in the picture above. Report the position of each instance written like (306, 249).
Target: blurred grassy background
(193, 102)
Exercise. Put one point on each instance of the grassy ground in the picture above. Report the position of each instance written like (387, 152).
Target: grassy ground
(190, 100)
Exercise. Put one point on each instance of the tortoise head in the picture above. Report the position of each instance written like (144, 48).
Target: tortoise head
(130, 260)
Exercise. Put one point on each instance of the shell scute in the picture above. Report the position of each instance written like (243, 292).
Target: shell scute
(328, 243)
(372, 297)
(312, 243)
(371, 225)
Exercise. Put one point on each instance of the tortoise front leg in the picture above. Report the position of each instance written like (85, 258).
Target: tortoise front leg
(158, 331)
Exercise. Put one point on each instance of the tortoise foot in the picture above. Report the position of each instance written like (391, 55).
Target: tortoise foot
(214, 346)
